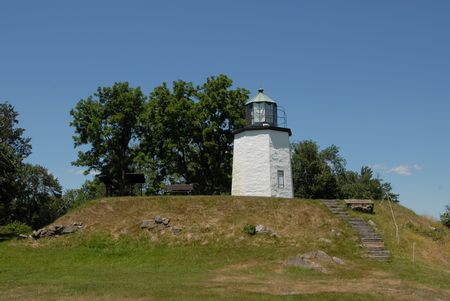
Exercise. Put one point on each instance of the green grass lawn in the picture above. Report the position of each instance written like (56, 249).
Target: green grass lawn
(100, 268)
(227, 265)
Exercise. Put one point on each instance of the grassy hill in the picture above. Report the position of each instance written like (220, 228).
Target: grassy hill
(112, 258)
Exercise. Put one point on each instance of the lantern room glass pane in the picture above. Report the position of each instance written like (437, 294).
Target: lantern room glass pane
(258, 112)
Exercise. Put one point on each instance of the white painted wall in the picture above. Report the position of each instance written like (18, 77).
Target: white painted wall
(280, 159)
(258, 155)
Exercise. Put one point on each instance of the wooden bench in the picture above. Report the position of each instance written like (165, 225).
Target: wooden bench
(360, 205)
(179, 189)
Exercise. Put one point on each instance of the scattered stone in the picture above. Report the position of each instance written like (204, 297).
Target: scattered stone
(56, 230)
(165, 221)
(314, 260)
(162, 220)
(148, 224)
(261, 229)
(22, 236)
(321, 255)
(325, 240)
(336, 233)
(68, 229)
(338, 260)
(299, 261)
(176, 231)
(372, 224)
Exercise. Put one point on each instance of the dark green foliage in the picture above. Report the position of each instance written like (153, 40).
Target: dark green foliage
(445, 217)
(40, 200)
(13, 149)
(315, 173)
(28, 193)
(187, 134)
(182, 134)
(13, 229)
(90, 190)
(250, 229)
(322, 174)
(107, 123)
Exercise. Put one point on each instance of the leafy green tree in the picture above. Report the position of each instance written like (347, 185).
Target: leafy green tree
(364, 185)
(315, 172)
(90, 190)
(220, 111)
(40, 200)
(107, 123)
(13, 149)
(166, 129)
(445, 217)
(322, 174)
(187, 134)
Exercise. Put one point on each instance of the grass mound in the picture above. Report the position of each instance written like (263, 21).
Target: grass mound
(213, 258)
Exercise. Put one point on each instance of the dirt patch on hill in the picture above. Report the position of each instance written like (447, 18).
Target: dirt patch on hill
(279, 283)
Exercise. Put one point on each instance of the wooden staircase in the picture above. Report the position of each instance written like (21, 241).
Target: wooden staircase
(370, 240)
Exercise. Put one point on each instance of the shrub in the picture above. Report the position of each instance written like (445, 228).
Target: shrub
(250, 229)
(445, 217)
(15, 228)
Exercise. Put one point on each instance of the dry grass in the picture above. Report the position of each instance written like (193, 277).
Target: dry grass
(205, 218)
(213, 259)
(431, 239)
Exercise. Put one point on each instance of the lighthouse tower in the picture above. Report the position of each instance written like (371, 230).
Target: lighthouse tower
(262, 157)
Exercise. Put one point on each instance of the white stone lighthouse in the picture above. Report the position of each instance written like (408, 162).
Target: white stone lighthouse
(262, 156)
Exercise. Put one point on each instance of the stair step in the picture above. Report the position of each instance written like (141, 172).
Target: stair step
(365, 232)
(372, 239)
(364, 236)
(363, 228)
(371, 251)
(380, 258)
(371, 248)
(372, 245)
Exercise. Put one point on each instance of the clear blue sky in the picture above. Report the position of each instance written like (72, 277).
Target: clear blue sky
(372, 77)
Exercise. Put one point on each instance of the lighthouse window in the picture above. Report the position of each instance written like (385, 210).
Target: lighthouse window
(280, 175)
(259, 112)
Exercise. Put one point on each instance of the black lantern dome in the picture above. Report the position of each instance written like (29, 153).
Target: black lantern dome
(261, 110)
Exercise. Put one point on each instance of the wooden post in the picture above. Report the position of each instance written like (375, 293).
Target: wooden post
(414, 252)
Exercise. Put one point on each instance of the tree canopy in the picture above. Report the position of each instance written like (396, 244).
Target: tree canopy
(181, 133)
(13, 149)
(322, 174)
(39, 202)
(107, 122)
(187, 132)
(28, 193)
